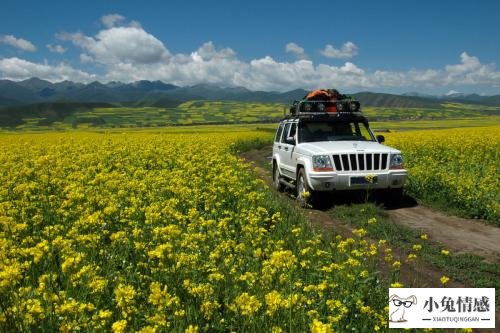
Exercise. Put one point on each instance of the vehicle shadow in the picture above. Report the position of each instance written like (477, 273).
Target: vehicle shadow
(328, 200)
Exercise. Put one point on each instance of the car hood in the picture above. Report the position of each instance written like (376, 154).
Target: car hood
(335, 147)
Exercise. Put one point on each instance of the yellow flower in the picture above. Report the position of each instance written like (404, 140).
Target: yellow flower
(318, 327)
(445, 252)
(423, 236)
(246, 304)
(396, 285)
(124, 295)
(444, 280)
(370, 178)
(119, 326)
(273, 302)
(373, 220)
(276, 329)
(411, 257)
(417, 247)
(191, 329)
(359, 232)
(396, 264)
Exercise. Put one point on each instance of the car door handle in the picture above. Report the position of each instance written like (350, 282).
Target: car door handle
(286, 148)
(279, 147)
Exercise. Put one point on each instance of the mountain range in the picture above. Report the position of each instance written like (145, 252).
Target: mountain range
(160, 94)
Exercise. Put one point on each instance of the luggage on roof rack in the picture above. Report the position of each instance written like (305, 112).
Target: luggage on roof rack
(322, 101)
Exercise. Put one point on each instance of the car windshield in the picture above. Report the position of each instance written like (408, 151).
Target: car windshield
(334, 131)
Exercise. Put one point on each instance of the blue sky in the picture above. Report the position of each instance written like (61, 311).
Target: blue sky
(387, 46)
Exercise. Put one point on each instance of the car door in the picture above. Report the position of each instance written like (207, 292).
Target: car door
(288, 138)
(277, 140)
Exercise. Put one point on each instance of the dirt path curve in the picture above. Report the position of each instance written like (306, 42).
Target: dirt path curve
(457, 234)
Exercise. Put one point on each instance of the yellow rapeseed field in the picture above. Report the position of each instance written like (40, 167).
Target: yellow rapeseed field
(155, 232)
(458, 168)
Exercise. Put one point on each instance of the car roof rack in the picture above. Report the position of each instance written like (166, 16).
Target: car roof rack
(330, 108)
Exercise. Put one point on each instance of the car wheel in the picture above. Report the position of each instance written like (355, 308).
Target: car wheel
(304, 193)
(276, 179)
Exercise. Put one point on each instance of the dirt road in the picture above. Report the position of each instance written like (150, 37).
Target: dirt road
(458, 234)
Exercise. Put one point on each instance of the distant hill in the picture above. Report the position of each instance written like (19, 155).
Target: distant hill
(35, 90)
(159, 94)
(396, 101)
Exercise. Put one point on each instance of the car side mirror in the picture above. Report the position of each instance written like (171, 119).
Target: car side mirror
(380, 138)
(290, 140)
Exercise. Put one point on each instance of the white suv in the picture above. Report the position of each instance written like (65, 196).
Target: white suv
(313, 153)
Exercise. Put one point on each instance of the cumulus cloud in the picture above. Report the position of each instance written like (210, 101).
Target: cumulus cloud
(208, 52)
(18, 43)
(19, 69)
(296, 50)
(56, 48)
(347, 51)
(120, 45)
(111, 20)
(467, 64)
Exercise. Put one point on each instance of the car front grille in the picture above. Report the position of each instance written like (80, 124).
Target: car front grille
(361, 162)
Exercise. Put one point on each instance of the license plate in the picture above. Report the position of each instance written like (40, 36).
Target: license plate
(363, 180)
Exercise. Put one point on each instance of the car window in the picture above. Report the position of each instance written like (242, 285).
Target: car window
(333, 131)
(293, 130)
(285, 132)
(362, 131)
(278, 133)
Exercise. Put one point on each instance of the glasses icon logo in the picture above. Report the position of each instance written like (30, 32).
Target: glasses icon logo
(406, 304)
(398, 315)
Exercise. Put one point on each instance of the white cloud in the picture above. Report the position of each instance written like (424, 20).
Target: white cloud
(120, 45)
(452, 92)
(56, 48)
(19, 69)
(347, 51)
(129, 53)
(296, 50)
(86, 59)
(468, 64)
(18, 43)
(112, 20)
(207, 52)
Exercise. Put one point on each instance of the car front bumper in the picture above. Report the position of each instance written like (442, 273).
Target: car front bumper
(329, 181)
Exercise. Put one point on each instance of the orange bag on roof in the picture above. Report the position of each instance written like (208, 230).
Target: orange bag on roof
(319, 94)
(329, 95)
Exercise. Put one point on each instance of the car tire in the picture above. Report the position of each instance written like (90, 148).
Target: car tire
(276, 178)
(305, 200)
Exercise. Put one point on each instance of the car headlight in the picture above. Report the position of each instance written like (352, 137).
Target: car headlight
(322, 163)
(396, 161)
